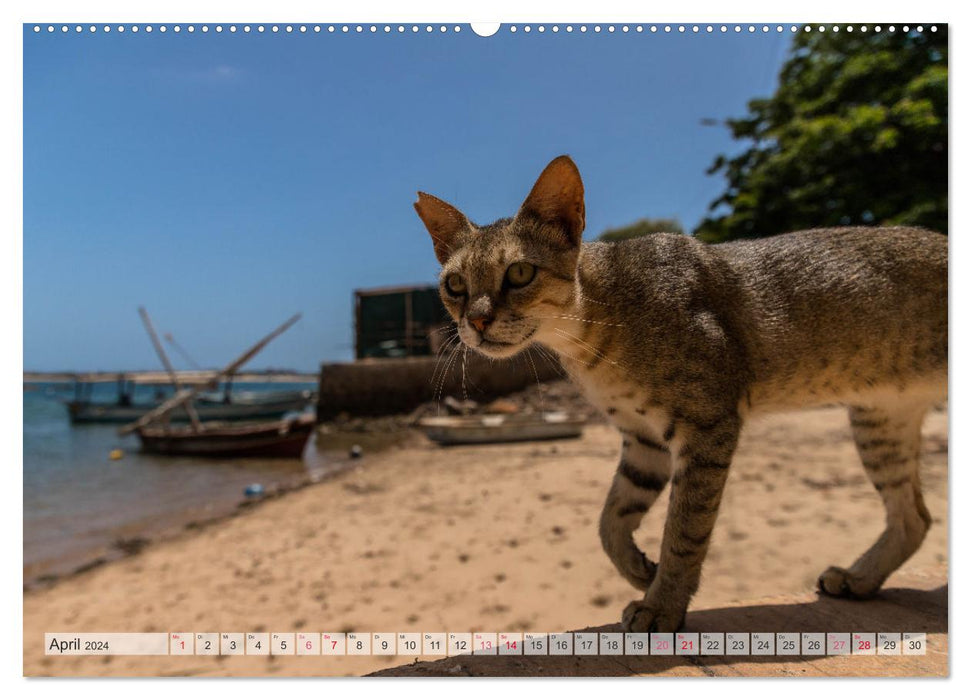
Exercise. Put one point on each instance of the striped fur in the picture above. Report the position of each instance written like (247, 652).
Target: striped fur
(643, 473)
(888, 440)
(678, 343)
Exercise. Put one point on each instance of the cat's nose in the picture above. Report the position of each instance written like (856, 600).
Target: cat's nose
(480, 313)
(480, 322)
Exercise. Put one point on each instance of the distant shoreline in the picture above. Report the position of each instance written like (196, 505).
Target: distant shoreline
(156, 377)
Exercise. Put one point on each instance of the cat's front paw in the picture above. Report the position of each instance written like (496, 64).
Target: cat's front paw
(841, 583)
(642, 616)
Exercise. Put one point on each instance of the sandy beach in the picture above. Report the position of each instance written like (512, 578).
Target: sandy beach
(497, 538)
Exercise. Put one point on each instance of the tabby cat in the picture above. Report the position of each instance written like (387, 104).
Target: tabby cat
(679, 343)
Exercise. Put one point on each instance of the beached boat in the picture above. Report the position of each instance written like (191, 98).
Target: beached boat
(469, 430)
(286, 437)
(281, 438)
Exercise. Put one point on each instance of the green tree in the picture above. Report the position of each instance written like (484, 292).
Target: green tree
(642, 227)
(856, 133)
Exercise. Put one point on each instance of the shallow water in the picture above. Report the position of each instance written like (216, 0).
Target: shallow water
(78, 503)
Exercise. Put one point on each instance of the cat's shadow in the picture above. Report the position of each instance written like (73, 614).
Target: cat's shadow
(893, 610)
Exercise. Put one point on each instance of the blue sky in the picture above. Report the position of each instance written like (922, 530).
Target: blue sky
(226, 181)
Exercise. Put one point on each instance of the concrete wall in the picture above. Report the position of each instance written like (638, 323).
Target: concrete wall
(387, 386)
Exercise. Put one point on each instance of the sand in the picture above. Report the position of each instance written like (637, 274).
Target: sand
(489, 538)
(915, 600)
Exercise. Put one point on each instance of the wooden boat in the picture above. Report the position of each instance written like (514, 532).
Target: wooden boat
(280, 438)
(470, 430)
(249, 405)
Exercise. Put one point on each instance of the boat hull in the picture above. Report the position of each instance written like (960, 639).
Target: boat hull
(273, 439)
(474, 430)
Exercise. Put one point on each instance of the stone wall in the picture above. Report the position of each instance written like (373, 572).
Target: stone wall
(386, 386)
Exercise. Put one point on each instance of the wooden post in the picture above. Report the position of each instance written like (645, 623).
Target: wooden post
(409, 320)
(358, 344)
(189, 408)
(188, 394)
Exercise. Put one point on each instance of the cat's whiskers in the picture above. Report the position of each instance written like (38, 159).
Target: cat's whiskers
(592, 301)
(580, 319)
(448, 368)
(582, 344)
(453, 353)
(441, 382)
(583, 363)
(441, 354)
(539, 386)
(448, 338)
(550, 357)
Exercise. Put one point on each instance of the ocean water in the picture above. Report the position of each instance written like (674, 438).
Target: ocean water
(79, 504)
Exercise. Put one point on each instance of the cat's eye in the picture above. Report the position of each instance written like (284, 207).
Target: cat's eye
(455, 284)
(520, 274)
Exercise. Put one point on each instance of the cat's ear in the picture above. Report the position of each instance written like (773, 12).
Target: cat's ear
(556, 200)
(444, 222)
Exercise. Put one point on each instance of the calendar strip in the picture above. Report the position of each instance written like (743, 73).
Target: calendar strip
(440, 644)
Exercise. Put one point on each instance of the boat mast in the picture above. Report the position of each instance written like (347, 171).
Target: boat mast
(190, 409)
(188, 394)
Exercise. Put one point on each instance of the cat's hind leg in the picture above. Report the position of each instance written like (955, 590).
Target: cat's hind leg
(888, 440)
(644, 470)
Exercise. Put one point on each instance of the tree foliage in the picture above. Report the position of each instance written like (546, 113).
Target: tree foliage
(642, 227)
(856, 133)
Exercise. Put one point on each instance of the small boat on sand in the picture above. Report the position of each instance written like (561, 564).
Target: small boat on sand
(280, 438)
(491, 428)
